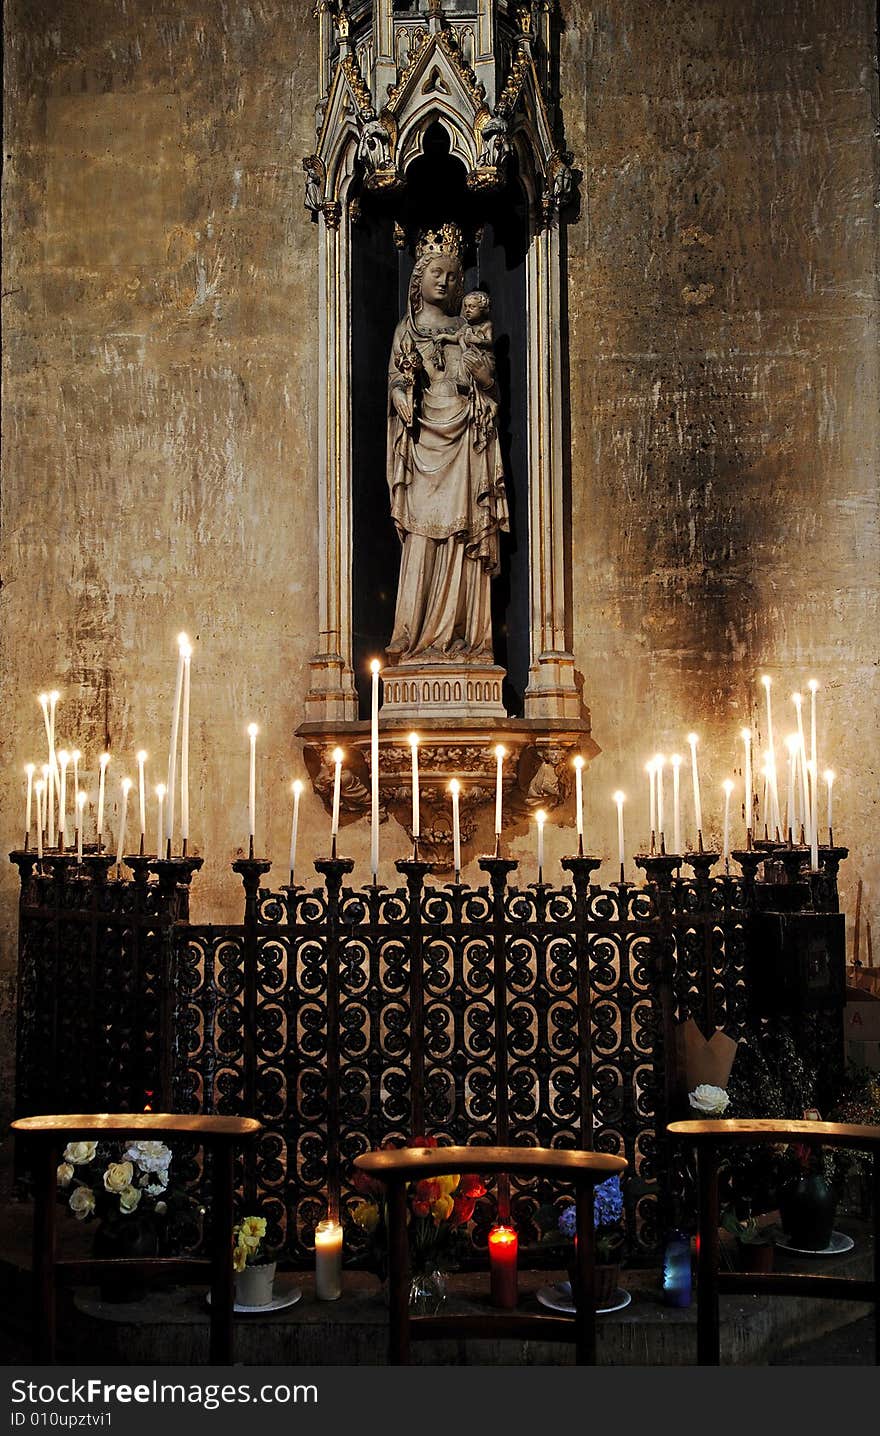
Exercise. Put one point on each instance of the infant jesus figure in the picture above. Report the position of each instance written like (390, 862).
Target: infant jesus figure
(476, 339)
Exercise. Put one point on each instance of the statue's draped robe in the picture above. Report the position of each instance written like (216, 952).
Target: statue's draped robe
(448, 504)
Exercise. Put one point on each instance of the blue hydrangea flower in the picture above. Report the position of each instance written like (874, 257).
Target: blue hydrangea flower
(607, 1208)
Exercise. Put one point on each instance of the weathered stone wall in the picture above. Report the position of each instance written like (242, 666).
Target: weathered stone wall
(160, 395)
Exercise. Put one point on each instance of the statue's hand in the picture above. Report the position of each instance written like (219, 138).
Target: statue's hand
(403, 406)
(479, 369)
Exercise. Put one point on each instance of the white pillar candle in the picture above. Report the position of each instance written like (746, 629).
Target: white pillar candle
(540, 819)
(698, 810)
(728, 789)
(296, 789)
(160, 820)
(328, 1260)
(80, 818)
(338, 756)
(39, 789)
(455, 789)
(171, 787)
(675, 760)
(63, 761)
(142, 796)
(652, 798)
(746, 735)
(53, 768)
(49, 778)
(184, 746)
(375, 669)
(579, 796)
(791, 744)
(29, 769)
(414, 754)
(102, 775)
(500, 755)
(253, 730)
(621, 850)
(828, 775)
(802, 759)
(775, 820)
(814, 818)
(766, 797)
(659, 762)
(125, 785)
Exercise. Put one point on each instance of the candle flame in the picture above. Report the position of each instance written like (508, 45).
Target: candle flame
(63, 757)
(500, 750)
(540, 817)
(296, 787)
(813, 684)
(161, 790)
(649, 766)
(413, 740)
(796, 699)
(659, 760)
(578, 761)
(54, 696)
(693, 739)
(676, 760)
(766, 680)
(39, 786)
(619, 797)
(792, 743)
(142, 755)
(727, 785)
(182, 641)
(375, 666)
(104, 759)
(30, 769)
(455, 787)
(43, 698)
(338, 755)
(829, 775)
(76, 755)
(253, 730)
(746, 734)
(80, 800)
(125, 784)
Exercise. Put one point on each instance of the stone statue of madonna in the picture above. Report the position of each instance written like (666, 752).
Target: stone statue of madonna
(444, 464)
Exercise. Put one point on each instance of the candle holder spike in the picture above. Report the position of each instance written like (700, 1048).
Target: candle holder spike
(701, 862)
(581, 868)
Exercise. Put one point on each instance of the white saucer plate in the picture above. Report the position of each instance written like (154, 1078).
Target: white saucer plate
(838, 1244)
(558, 1298)
(278, 1303)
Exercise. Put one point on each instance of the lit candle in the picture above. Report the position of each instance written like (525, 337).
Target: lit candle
(802, 759)
(125, 786)
(171, 787)
(659, 761)
(50, 778)
(160, 823)
(142, 796)
(728, 789)
(828, 775)
(540, 819)
(80, 813)
(53, 768)
(414, 750)
(766, 795)
(455, 789)
(813, 686)
(500, 755)
(746, 735)
(375, 669)
(675, 760)
(39, 789)
(792, 745)
(776, 819)
(328, 1260)
(621, 851)
(29, 769)
(698, 811)
(186, 650)
(338, 756)
(579, 799)
(296, 789)
(814, 818)
(652, 801)
(102, 774)
(63, 760)
(252, 731)
(503, 1245)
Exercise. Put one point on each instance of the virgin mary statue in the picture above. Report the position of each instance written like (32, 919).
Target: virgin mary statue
(444, 464)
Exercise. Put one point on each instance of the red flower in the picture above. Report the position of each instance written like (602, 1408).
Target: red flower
(471, 1185)
(423, 1142)
(462, 1210)
(427, 1190)
(366, 1185)
(421, 1208)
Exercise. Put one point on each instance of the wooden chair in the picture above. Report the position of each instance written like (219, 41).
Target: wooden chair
(406, 1164)
(49, 1135)
(710, 1138)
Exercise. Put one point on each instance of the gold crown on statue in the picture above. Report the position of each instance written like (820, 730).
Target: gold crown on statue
(448, 239)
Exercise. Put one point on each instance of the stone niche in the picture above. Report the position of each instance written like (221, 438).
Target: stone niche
(436, 120)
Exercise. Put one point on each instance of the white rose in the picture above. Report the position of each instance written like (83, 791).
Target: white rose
(154, 1189)
(82, 1202)
(118, 1176)
(150, 1156)
(161, 1209)
(80, 1152)
(65, 1174)
(709, 1101)
(128, 1199)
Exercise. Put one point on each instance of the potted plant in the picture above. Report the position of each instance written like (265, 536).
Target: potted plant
(253, 1261)
(755, 1242)
(609, 1236)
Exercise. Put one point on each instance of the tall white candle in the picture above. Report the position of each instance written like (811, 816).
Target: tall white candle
(328, 1260)
(775, 817)
(296, 789)
(579, 795)
(659, 762)
(171, 787)
(813, 686)
(792, 745)
(160, 820)
(184, 746)
(829, 779)
(375, 669)
(675, 760)
(125, 785)
(253, 730)
(29, 769)
(652, 798)
(40, 788)
(455, 789)
(338, 756)
(500, 755)
(814, 818)
(540, 819)
(80, 818)
(414, 752)
(142, 795)
(698, 810)
(53, 768)
(728, 789)
(63, 761)
(746, 735)
(50, 768)
(766, 796)
(621, 850)
(802, 759)
(102, 775)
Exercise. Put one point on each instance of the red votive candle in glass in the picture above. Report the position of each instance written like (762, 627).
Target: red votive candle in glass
(503, 1244)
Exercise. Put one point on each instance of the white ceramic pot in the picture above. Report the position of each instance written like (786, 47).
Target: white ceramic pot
(253, 1286)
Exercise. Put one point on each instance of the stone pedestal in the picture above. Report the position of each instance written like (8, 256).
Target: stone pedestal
(412, 692)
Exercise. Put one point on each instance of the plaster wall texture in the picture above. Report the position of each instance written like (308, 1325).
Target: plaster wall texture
(160, 400)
